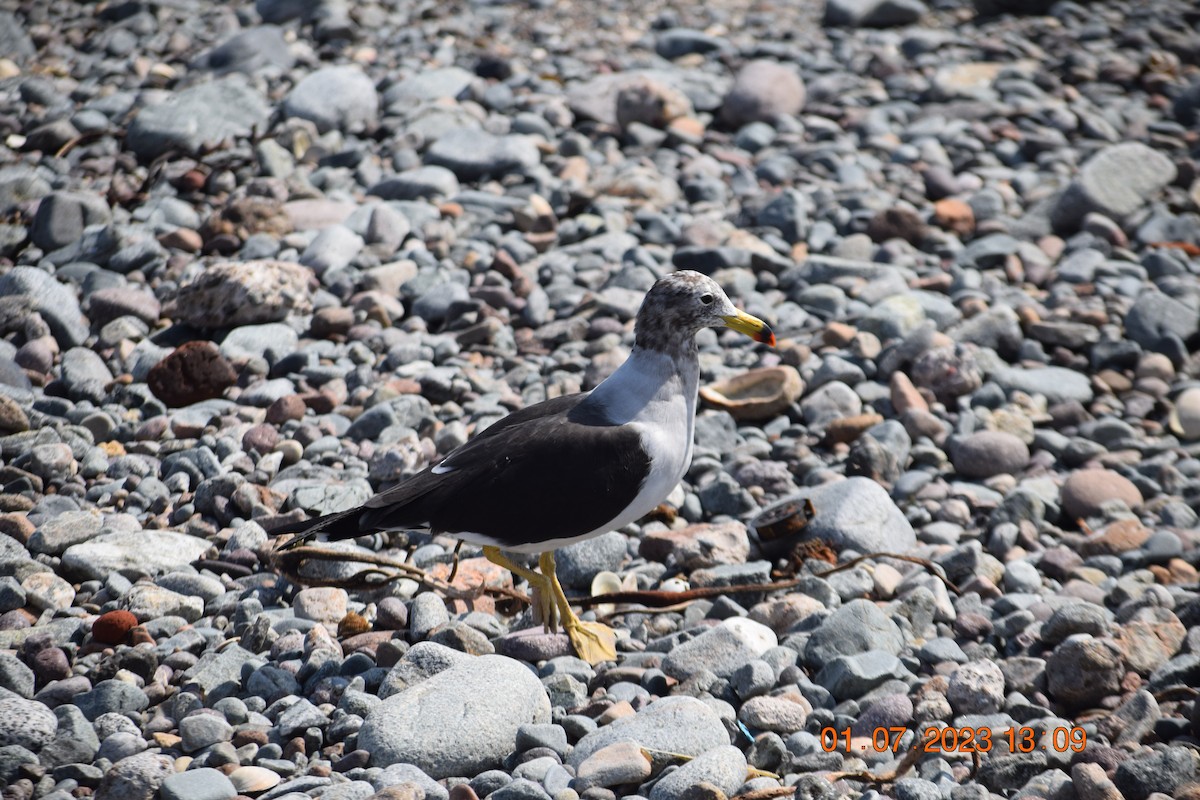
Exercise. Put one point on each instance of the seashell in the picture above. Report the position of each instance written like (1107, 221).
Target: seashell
(251, 780)
(756, 395)
(606, 582)
(1185, 416)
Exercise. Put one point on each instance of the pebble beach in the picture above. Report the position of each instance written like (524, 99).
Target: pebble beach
(260, 260)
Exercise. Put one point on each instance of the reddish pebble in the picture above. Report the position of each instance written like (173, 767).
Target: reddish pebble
(113, 626)
(262, 438)
(285, 408)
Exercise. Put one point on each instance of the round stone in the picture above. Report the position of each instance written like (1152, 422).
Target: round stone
(1087, 490)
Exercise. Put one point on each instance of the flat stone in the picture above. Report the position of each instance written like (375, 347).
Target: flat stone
(676, 724)
(334, 98)
(489, 696)
(136, 552)
(197, 116)
(721, 649)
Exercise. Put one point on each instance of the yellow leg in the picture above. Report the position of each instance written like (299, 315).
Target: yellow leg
(538, 583)
(593, 641)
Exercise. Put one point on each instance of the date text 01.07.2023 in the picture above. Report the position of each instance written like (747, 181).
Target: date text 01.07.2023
(956, 740)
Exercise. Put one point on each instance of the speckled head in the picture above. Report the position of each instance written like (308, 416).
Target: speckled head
(682, 303)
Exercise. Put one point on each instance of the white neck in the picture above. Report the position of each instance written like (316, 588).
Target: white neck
(651, 387)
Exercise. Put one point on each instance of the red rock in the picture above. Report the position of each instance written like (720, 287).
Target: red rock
(286, 408)
(196, 371)
(113, 626)
(954, 215)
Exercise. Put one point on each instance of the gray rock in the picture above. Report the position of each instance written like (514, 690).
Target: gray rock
(12, 596)
(62, 216)
(985, 454)
(489, 697)
(472, 154)
(75, 742)
(677, 724)
(15, 676)
(334, 98)
(853, 676)
(1082, 671)
(112, 696)
(762, 92)
(57, 304)
(1160, 771)
(678, 42)
(299, 717)
(85, 375)
(1075, 618)
(14, 40)
(1155, 315)
(197, 116)
(873, 13)
(787, 213)
(137, 777)
(1056, 384)
(427, 612)
(434, 305)
(204, 783)
(1115, 182)
(435, 84)
(721, 649)
(220, 674)
(976, 688)
(146, 552)
(856, 513)
(723, 767)
(419, 183)
(13, 756)
(203, 729)
(27, 723)
(832, 401)
(333, 248)
(853, 628)
(251, 50)
(578, 563)
(407, 773)
(253, 341)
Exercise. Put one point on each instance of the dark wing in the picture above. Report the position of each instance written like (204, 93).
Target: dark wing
(551, 470)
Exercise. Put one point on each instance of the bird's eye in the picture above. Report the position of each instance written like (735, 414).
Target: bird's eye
(707, 299)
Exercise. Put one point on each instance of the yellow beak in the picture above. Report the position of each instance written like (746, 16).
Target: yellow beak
(752, 326)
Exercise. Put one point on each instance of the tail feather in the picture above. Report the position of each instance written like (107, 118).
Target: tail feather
(335, 526)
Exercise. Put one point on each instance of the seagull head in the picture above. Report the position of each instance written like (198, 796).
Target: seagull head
(679, 305)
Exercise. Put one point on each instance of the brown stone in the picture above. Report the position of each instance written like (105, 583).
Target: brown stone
(954, 215)
(906, 396)
(196, 371)
(1119, 537)
(838, 334)
(185, 239)
(847, 429)
(17, 526)
(897, 223)
(1085, 491)
(13, 418)
(1082, 672)
(286, 408)
(112, 627)
(698, 546)
(331, 321)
